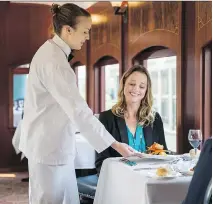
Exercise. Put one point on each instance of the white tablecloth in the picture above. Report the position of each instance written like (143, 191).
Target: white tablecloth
(120, 183)
(85, 154)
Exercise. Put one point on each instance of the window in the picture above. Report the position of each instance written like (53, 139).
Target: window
(19, 79)
(163, 75)
(111, 85)
(107, 78)
(81, 80)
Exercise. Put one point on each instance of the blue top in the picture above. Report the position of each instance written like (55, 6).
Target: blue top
(137, 142)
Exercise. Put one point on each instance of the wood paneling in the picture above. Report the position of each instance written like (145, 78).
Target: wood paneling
(106, 36)
(188, 71)
(154, 24)
(26, 31)
(203, 36)
(5, 137)
(206, 91)
(152, 16)
(24, 27)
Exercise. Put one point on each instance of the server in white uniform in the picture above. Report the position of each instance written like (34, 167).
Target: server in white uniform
(54, 110)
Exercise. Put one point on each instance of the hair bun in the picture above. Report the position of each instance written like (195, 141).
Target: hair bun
(54, 9)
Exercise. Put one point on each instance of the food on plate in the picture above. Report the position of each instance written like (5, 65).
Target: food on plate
(163, 153)
(162, 171)
(156, 146)
(156, 149)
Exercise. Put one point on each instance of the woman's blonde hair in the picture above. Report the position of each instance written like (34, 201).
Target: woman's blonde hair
(145, 115)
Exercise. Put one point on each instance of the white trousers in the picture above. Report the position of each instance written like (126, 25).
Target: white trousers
(52, 184)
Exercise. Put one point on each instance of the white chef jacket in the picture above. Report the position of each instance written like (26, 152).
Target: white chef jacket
(54, 109)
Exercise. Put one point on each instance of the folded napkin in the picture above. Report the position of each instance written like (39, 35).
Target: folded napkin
(183, 166)
(16, 139)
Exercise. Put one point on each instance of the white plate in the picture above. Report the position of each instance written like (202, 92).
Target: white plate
(172, 175)
(159, 157)
(187, 173)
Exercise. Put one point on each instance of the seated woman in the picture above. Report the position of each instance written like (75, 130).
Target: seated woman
(132, 120)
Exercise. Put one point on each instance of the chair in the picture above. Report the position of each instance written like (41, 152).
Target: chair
(208, 194)
(87, 187)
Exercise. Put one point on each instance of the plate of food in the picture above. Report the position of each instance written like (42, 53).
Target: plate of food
(156, 151)
(163, 173)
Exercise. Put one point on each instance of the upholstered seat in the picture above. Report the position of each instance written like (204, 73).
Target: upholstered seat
(208, 194)
(87, 186)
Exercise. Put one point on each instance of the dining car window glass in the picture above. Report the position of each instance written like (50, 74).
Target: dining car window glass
(19, 79)
(111, 85)
(81, 80)
(163, 75)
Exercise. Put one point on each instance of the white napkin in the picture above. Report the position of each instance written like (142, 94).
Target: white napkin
(16, 139)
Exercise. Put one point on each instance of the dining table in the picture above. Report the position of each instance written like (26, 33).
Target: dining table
(134, 181)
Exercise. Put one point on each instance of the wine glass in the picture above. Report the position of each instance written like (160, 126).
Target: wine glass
(195, 139)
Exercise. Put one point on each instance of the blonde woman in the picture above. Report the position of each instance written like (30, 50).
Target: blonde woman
(132, 119)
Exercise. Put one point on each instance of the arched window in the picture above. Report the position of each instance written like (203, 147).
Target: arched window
(107, 73)
(18, 81)
(161, 64)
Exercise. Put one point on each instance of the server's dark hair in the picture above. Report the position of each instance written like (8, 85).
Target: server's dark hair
(66, 15)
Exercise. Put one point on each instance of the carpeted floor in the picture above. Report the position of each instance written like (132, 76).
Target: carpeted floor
(12, 190)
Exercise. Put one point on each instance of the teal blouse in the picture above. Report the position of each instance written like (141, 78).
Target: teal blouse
(137, 142)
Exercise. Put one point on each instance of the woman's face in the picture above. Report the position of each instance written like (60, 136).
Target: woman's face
(80, 33)
(135, 88)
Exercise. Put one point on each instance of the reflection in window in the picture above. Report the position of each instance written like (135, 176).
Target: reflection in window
(174, 113)
(165, 82)
(155, 104)
(163, 76)
(19, 84)
(174, 82)
(81, 78)
(155, 85)
(164, 110)
(111, 85)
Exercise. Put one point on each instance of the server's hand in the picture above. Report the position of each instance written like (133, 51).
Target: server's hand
(123, 149)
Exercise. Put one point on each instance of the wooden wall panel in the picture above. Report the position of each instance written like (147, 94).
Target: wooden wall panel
(5, 138)
(38, 26)
(106, 36)
(154, 24)
(188, 71)
(24, 27)
(203, 36)
(26, 31)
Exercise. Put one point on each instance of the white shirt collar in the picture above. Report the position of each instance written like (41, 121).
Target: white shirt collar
(65, 48)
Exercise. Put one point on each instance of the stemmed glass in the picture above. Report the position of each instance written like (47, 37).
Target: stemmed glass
(195, 139)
